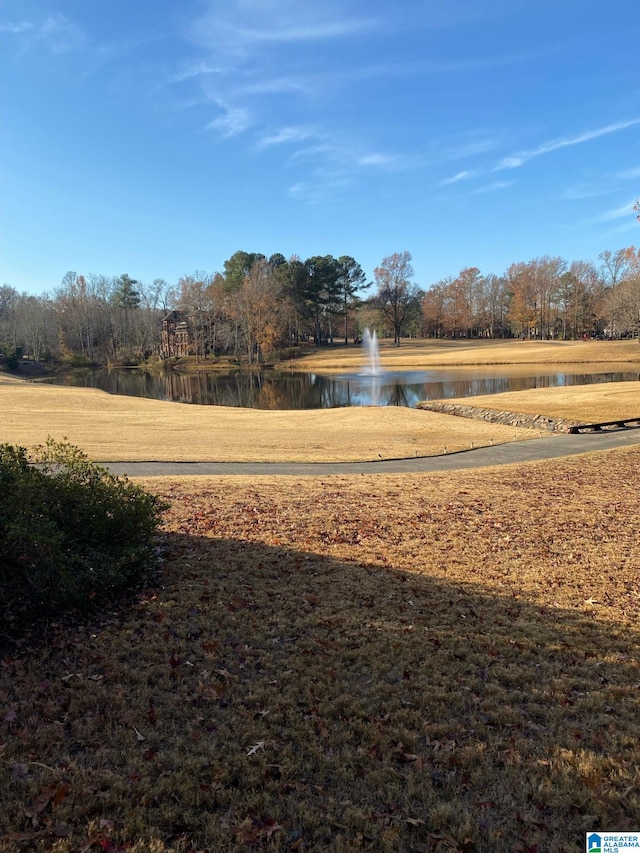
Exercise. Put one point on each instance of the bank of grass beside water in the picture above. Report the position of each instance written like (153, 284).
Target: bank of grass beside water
(409, 662)
(424, 354)
(117, 428)
(607, 401)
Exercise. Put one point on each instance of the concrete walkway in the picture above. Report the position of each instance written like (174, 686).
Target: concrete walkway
(502, 454)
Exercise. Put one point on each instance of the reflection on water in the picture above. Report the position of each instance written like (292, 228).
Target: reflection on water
(275, 390)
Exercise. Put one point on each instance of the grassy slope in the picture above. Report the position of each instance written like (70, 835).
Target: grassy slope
(437, 663)
(108, 428)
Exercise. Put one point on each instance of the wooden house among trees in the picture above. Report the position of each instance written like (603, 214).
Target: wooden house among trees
(175, 339)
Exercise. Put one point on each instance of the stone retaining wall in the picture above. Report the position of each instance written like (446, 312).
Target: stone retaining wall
(495, 416)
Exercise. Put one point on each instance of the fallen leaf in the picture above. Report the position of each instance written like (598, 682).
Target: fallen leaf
(38, 804)
(223, 673)
(60, 793)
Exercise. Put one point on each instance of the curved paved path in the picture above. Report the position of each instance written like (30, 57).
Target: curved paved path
(502, 454)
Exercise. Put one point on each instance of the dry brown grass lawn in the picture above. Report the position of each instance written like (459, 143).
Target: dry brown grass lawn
(427, 663)
(110, 428)
(422, 354)
(583, 403)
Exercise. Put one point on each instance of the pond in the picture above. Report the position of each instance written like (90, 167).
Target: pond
(272, 389)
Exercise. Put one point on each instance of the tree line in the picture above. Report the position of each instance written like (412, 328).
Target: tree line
(545, 298)
(257, 305)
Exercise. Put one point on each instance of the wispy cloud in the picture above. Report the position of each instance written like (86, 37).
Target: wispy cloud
(378, 160)
(629, 174)
(490, 188)
(233, 121)
(330, 80)
(287, 135)
(459, 176)
(61, 34)
(318, 191)
(630, 225)
(237, 28)
(244, 40)
(616, 213)
(518, 159)
(280, 85)
(56, 33)
(330, 164)
(472, 144)
(193, 70)
(300, 33)
(326, 152)
(581, 192)
(15, 28)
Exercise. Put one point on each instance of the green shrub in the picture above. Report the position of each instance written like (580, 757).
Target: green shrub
(71, 533)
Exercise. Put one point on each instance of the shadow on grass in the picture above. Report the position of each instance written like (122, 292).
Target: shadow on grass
(271, 698)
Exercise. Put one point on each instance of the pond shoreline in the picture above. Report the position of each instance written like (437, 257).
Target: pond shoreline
(307, 390)
(495, 416)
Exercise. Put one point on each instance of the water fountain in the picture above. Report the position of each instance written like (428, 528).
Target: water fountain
(372, 354)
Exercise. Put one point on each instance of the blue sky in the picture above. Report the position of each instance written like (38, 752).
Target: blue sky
(157, 138)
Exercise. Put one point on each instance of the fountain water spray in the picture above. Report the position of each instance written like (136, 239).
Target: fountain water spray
(370, 343)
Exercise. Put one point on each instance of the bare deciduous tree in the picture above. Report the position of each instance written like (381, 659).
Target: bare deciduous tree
(396, 290)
